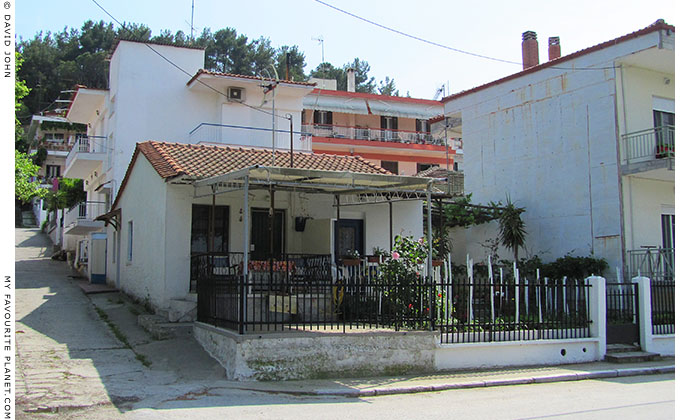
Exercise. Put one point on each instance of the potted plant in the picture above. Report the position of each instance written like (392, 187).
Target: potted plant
(378, 255)
(351, 257)
(664, 150)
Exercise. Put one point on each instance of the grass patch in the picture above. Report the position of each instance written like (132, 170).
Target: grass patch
(120, 336)
(134, 311)
(143, 359)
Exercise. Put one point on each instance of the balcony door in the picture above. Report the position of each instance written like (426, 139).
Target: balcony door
(261, 234)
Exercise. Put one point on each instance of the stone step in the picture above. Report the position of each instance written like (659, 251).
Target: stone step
(621, 348)
(161, 329)
(631, 357)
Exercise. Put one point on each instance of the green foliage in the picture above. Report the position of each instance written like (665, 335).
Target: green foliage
(574, 267)
(70, 193)
(20, 91)
(512, 227)
(60, 125)
(387, 87)
(24, 169)
(363, 83)
(40, 156)
(463, 213)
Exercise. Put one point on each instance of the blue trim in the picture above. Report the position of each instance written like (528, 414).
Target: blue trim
(98, 278)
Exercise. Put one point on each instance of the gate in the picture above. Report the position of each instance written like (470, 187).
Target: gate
(622, 314)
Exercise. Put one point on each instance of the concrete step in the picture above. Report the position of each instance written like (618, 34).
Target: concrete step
(28, 219)
(161, 329)
(631, 357)
(621, 348)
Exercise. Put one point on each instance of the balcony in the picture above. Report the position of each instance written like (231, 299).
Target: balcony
(372, 134)
(79, 220)
(656, 263)
(236, 135)
(87, 155)
(649, 152)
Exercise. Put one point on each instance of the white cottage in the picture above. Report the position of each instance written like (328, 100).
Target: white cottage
(183, 209)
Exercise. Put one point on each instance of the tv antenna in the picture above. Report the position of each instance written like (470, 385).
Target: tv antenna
(319, 39)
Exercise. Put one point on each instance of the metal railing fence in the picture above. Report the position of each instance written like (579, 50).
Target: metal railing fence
(663, 295)
(250, 136)
(376, 134)
(653, 143)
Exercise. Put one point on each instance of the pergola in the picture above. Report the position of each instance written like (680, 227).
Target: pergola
(348, 189)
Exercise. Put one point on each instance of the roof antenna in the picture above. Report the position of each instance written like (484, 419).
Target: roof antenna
(320, 40)
(191, 25)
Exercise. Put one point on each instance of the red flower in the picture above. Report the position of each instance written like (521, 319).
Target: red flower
(439, 295)
(409, 306)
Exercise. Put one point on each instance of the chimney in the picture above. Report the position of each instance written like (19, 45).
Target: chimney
(350, 80)
(530, 50)
(554, 48)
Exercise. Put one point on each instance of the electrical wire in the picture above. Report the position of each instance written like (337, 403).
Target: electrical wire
(436, 44)
(180, 68)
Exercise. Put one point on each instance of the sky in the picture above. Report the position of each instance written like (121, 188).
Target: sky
(489, 28)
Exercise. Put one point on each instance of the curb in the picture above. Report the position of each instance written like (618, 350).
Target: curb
(611, 373)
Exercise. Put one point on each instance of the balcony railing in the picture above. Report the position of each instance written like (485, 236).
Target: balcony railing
(250, 136)
(374, 134)
(88, 144)
(650, 144)
(86, 210)
(656, 263)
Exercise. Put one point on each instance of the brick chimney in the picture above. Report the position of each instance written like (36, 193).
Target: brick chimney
(350, 80)
(530, 50)
(554, 48)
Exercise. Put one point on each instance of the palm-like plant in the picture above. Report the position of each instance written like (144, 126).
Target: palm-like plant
(512, 227)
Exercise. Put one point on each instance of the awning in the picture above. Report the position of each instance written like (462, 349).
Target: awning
(365, 106)
(317, 181)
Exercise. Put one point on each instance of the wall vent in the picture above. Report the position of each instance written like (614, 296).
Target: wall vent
(236, 94)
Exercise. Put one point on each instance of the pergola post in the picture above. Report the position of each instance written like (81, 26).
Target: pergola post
(245, 256)
(429, 234)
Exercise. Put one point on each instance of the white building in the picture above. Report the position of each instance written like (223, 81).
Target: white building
(150, 98)
(585, 143)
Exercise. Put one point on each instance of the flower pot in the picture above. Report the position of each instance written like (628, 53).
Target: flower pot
(351, 261)
(373, 259)
(436, 263)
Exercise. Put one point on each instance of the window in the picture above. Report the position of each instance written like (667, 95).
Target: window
(388, 125)
(52, 171)
(422, 126)
(664, 131)
(55, 137)
(390, 166)
(668, 231)
(423, 166)
(201, 229)
(323, 117)
(130, 240)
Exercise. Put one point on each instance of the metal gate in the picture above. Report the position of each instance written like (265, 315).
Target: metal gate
(622, 314)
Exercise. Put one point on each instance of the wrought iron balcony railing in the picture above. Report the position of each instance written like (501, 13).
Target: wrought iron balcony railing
(374, 134)
(656, 263)
(86, 210)
(650, 144)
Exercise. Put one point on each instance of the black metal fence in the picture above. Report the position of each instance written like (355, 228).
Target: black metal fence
(663, 295)
(622, 313)
(308, 292)
(485, 311)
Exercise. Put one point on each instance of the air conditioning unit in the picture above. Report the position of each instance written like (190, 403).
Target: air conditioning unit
(236, 94)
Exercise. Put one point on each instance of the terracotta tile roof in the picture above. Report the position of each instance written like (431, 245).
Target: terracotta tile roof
(656, 26)
(200, 161)
(243, 76)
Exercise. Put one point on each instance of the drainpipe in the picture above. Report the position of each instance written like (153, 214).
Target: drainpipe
(429, 232)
